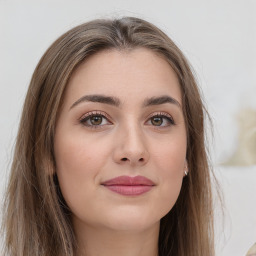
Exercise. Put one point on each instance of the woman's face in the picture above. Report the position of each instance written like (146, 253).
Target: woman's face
(121, 116)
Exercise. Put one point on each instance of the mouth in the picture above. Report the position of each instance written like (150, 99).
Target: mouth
(129, 186)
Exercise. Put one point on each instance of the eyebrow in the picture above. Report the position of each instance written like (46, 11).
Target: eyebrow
(98, 98)
(160, 100)
(113, 101)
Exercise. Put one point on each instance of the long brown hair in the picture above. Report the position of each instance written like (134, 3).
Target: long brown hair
(36, 218)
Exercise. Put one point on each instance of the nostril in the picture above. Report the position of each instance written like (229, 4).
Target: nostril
(126, 159)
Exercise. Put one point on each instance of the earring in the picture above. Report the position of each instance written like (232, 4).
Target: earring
(186, 169)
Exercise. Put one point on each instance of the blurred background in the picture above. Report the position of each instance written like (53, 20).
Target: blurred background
(218, 38)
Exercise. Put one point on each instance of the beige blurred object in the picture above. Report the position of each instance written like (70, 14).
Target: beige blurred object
(252, 251)
(245, 153)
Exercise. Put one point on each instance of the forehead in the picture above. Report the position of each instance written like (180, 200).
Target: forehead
(129, 75)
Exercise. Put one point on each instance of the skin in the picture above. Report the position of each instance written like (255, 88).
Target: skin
(129, 141)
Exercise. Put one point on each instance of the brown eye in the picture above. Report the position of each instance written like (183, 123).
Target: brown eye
(96, 120)
(157, 121)
(161, 120)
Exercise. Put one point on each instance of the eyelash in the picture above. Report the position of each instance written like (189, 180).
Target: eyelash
(89, 115)
(168, 117)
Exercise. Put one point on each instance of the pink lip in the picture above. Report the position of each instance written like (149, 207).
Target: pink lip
(127, 185)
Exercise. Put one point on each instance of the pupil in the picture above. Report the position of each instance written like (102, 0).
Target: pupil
(96, 120)
(157, 121)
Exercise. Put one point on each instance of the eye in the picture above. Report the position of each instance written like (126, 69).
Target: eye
(161, 120)
(94, 120)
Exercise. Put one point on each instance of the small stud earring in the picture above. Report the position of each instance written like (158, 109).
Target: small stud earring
(186, 170)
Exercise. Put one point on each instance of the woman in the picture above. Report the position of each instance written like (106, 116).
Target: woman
(110, 156)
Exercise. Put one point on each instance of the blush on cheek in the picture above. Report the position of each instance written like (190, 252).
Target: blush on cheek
(172, 165)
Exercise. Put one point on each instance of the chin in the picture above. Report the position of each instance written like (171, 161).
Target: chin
(130, 221)
(131, 226)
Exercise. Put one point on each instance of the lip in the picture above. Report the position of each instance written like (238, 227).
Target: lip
(130, 186)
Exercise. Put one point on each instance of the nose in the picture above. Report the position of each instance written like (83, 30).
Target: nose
(130, 147)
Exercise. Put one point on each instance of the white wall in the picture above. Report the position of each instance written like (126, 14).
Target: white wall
(219, 39)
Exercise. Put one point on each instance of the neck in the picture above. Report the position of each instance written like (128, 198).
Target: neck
(104, 241)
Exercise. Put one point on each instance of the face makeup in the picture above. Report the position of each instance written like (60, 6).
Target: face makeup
(120, 141)
(129, 186)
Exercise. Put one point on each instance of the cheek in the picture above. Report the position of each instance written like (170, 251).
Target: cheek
(169, 161)
(78, 162)
(170, 157)
(75, 154)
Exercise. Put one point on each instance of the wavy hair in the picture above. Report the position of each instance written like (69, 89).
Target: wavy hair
(36, 217)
